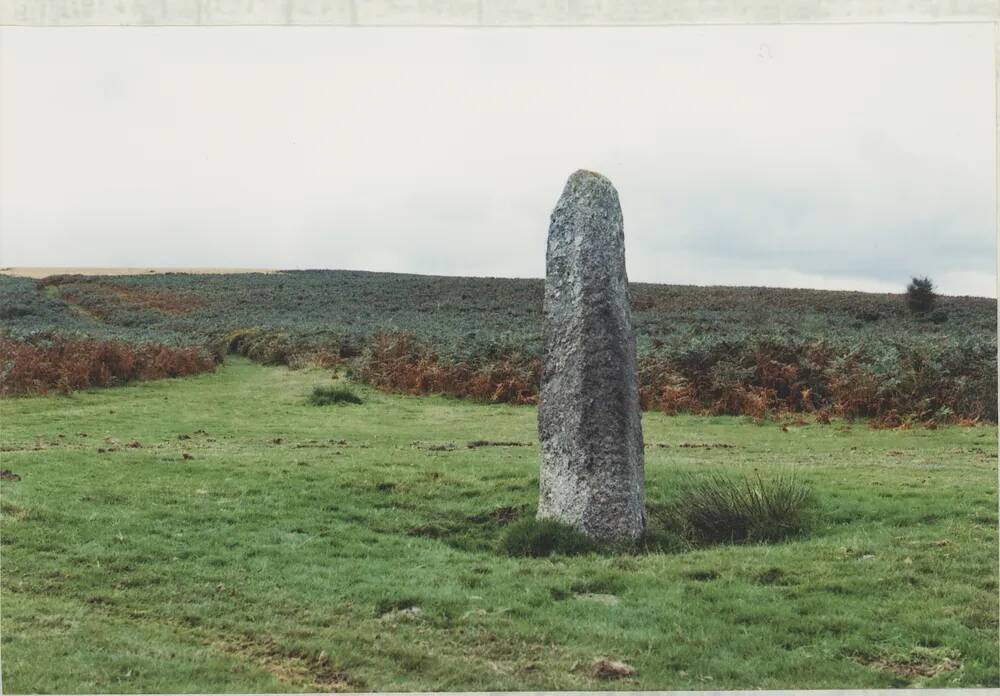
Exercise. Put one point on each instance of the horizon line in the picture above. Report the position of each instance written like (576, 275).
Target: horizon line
(39, 272)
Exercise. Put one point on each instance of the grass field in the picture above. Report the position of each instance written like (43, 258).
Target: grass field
(220, 533)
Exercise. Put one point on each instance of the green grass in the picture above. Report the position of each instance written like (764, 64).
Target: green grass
(533, 537)
(298, 548)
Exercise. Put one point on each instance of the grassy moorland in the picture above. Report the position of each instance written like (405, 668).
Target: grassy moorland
(222, 533)
(708, 350)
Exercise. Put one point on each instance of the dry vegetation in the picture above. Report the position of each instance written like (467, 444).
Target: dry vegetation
(67, 365)
(740, 351)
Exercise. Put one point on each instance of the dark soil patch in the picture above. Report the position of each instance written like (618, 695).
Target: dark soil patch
(705, 445)
(494, 443)
(8, 475)
(434, 447)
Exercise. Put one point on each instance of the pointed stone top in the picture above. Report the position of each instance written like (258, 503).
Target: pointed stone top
(587, 173)
(586, 177)
(586, 194)
(588, 188)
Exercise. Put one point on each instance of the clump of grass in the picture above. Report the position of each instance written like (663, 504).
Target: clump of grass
(324, 396)
(534, 537)
(719, 509)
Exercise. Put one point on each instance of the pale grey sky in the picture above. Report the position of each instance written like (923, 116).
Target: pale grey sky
(847, 157)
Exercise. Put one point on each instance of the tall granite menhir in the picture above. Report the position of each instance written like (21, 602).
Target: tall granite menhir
(592, 473)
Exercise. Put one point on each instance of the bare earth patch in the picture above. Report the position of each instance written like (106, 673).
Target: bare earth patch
(603, 668)
(314, 672)
(919, 663)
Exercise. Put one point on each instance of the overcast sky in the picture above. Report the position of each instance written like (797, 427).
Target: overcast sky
(846, 157)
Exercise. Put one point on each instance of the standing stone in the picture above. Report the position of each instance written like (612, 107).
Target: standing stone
(589, 427)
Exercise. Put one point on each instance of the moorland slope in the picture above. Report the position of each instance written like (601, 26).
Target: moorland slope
(733, 350)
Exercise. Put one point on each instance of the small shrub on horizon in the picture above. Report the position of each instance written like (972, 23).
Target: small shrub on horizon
(920, 295)
(324, 396)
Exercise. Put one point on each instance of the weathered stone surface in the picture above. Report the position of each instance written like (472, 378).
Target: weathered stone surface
(592, 473)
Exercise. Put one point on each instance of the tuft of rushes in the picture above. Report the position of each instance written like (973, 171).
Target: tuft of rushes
(324, 396)
(720, 509)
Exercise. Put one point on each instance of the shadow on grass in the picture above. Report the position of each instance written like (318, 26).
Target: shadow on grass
(706, 510)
